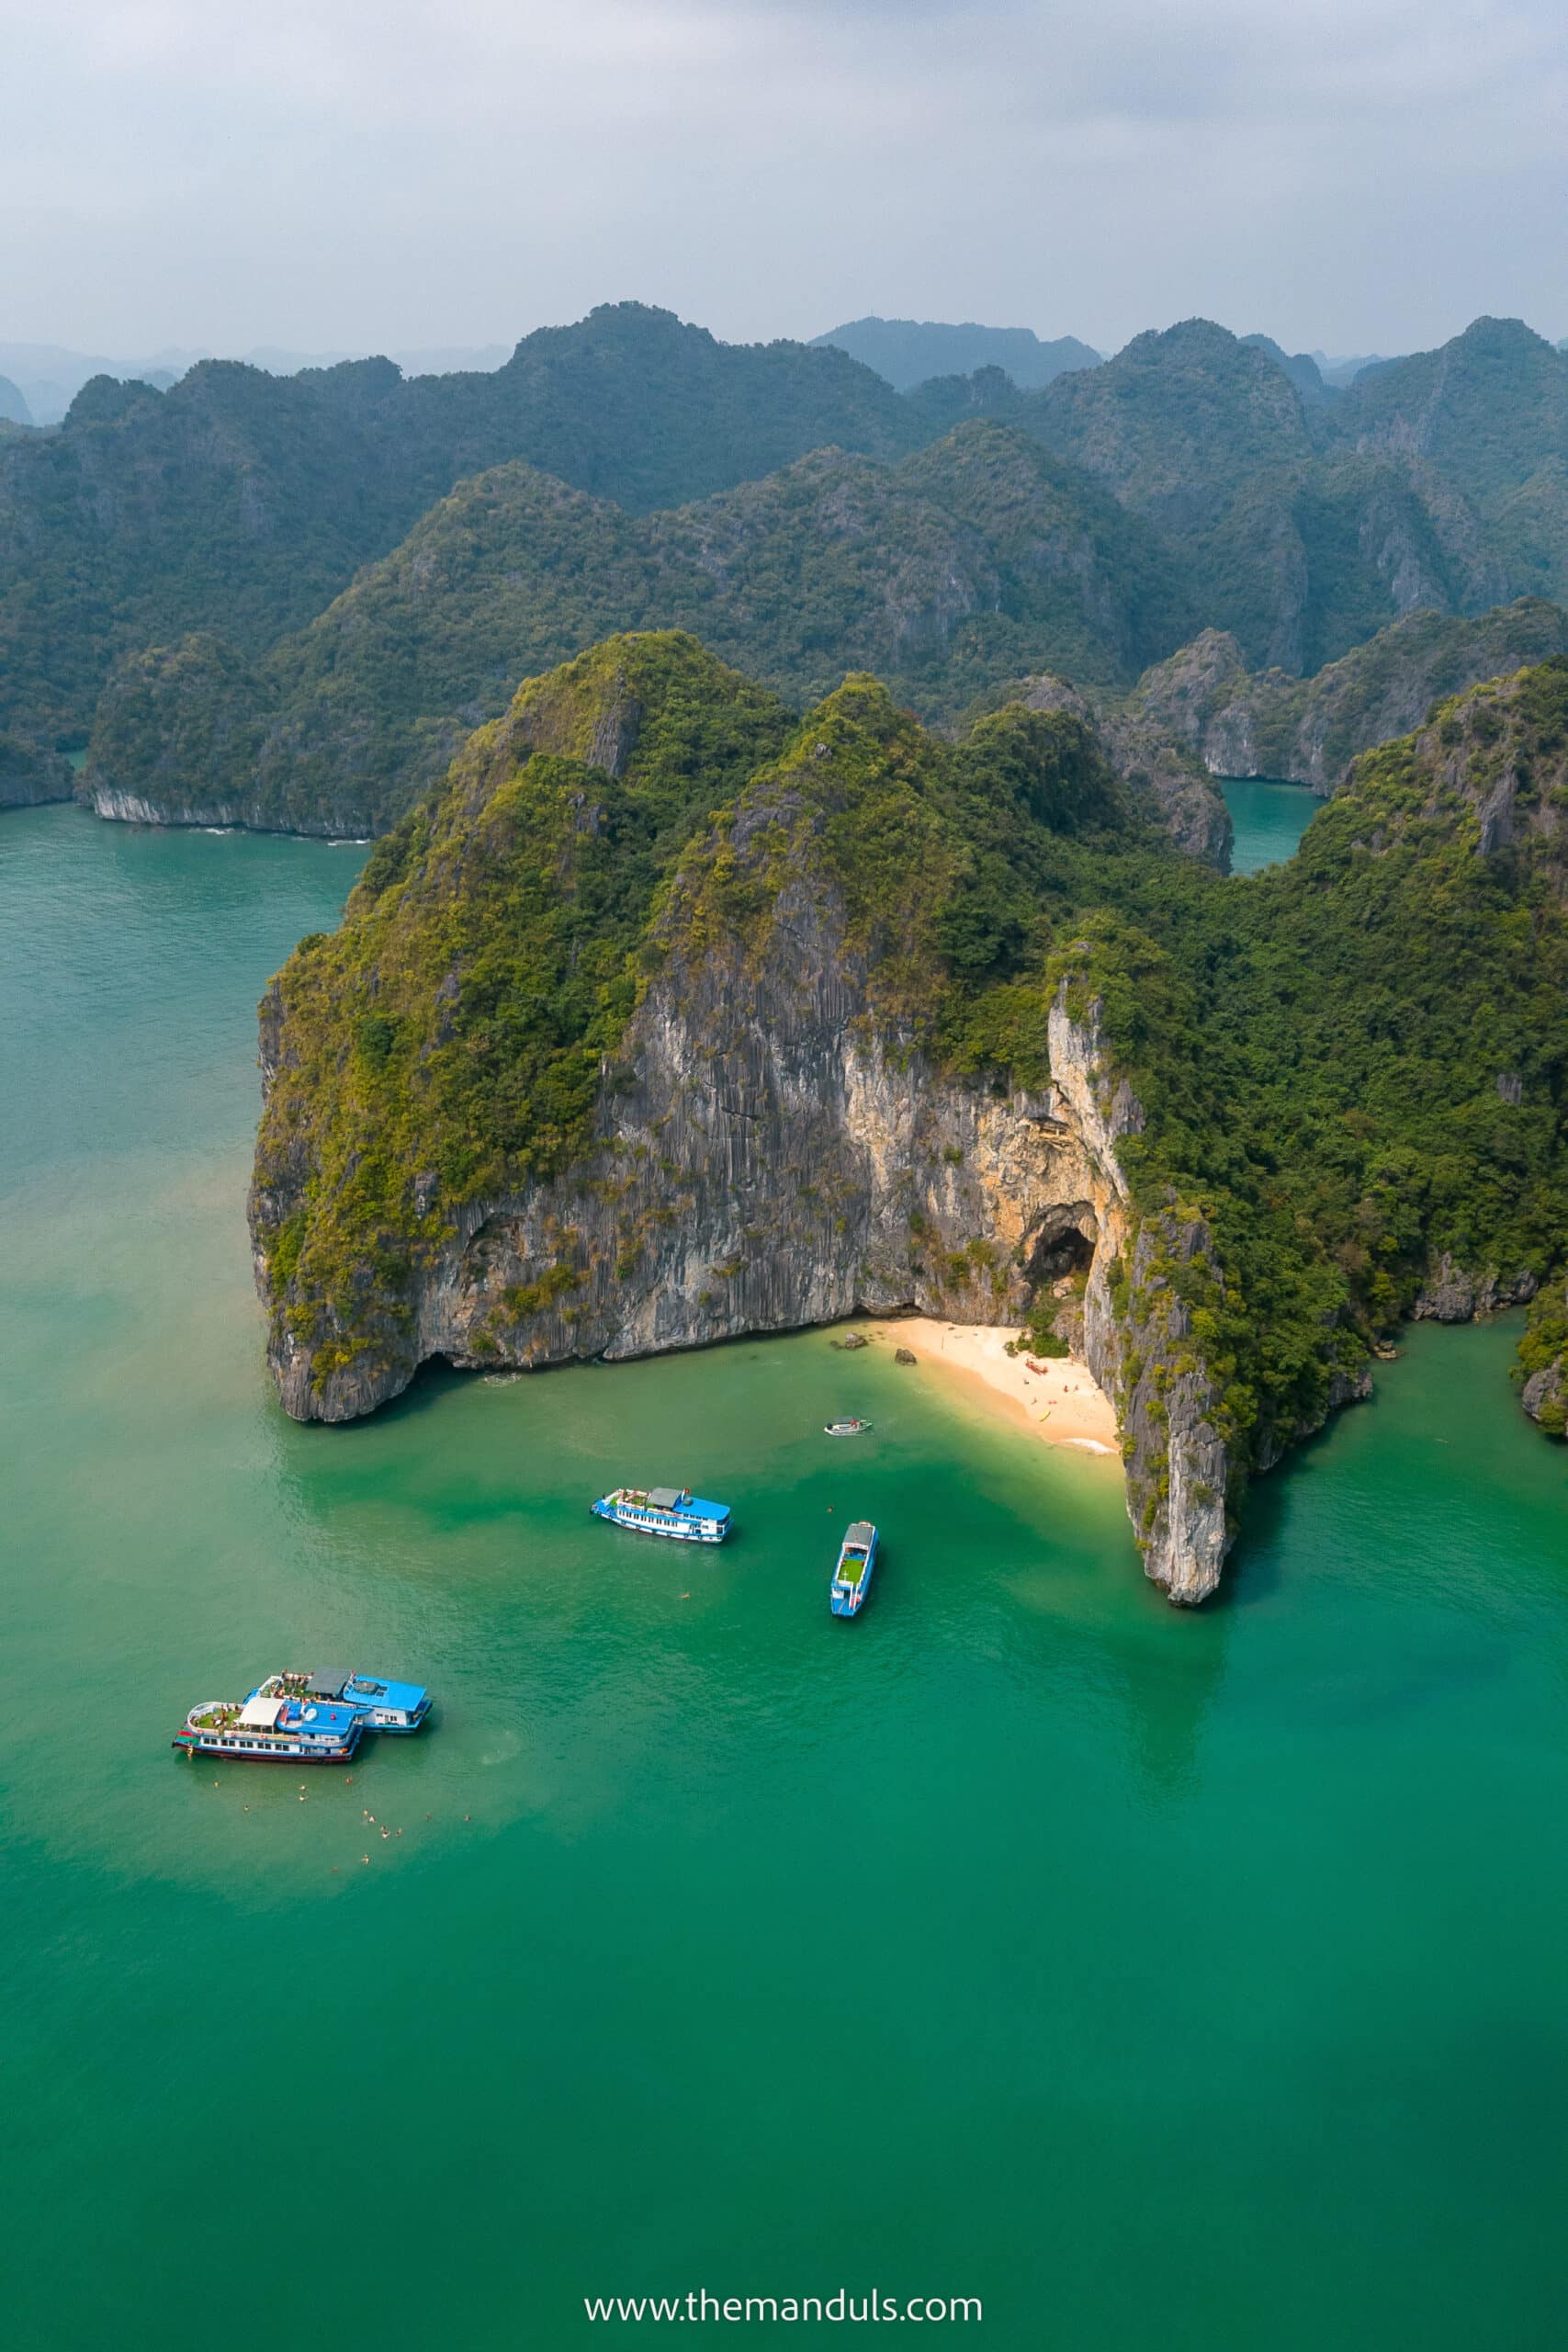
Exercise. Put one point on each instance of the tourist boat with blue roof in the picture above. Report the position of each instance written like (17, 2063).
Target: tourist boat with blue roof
(274, 1729)
(672, 1511)
(380, 1705)
(851, 1577)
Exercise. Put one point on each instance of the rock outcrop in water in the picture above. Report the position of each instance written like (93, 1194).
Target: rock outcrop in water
(668, 1019)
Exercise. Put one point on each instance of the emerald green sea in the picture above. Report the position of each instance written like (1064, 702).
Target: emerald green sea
(1193, 1981)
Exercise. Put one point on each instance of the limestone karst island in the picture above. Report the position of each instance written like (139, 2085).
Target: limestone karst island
(784, 1186)
(672, 1016)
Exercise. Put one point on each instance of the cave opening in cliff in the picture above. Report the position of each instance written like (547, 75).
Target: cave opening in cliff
(1063, 1250)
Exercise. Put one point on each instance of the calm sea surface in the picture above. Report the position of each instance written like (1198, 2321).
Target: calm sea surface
(1270, 820)
(1193, 1981)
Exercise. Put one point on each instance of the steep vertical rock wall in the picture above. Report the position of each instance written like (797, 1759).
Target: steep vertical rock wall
(766, 1158)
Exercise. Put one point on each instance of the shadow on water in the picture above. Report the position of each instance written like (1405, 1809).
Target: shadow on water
(1255, 1571)
(1168, 1683)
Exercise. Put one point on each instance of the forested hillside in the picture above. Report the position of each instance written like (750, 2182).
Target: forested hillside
(289, 598)
(1327, 1096)
(1489, 412)
(1291, 534)
(242, 502)
(963, 565)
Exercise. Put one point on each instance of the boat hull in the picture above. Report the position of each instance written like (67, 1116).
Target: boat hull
(195, 1744)
(645, 1525)
(845, 1604)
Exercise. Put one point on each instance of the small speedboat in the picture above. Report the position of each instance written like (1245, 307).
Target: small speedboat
(851, 1577)
(665, 1510)
(849, 1428)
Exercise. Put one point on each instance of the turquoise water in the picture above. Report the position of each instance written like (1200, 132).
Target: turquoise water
(1268, 819)
(1193, 1980)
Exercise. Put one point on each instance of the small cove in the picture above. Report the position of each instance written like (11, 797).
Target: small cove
(1148, 1974)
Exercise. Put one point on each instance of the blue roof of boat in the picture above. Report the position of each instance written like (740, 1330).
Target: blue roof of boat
(315, 1715)
(697, 1508)
(406, 1695)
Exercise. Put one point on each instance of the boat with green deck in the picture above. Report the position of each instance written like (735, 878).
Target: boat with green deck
(851, 1577)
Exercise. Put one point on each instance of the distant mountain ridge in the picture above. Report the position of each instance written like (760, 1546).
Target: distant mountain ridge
(962, 565)
(176, 543)
(910, 351)
(51, 375)
(243, 503)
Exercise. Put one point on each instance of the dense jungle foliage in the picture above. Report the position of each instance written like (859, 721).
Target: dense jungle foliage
(240, 502)
(968, 563)
(1347, 1065)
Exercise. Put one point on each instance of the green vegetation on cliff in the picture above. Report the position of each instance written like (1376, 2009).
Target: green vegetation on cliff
(451, 1038)
(962, 566)
(241, 503)
(1346, 1067)
(1353, 1064)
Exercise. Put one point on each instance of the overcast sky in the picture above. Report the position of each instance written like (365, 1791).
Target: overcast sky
(1354, 174)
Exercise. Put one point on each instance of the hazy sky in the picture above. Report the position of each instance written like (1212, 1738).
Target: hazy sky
(1358, 174)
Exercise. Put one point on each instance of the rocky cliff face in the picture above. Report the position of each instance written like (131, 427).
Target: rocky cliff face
(771, 1142)
(1164, 777)
(763, 1158)
(1309, 730)
(1453, 1293)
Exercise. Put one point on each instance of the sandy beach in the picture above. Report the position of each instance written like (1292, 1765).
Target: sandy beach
(1060, 1402)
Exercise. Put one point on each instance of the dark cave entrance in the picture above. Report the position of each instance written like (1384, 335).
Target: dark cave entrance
(1056, 1266)
(1063, 1250)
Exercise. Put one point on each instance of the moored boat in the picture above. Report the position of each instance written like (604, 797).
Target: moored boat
(851, 1577)
(380, 1706)
(273, 1730)
(673, 1511)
